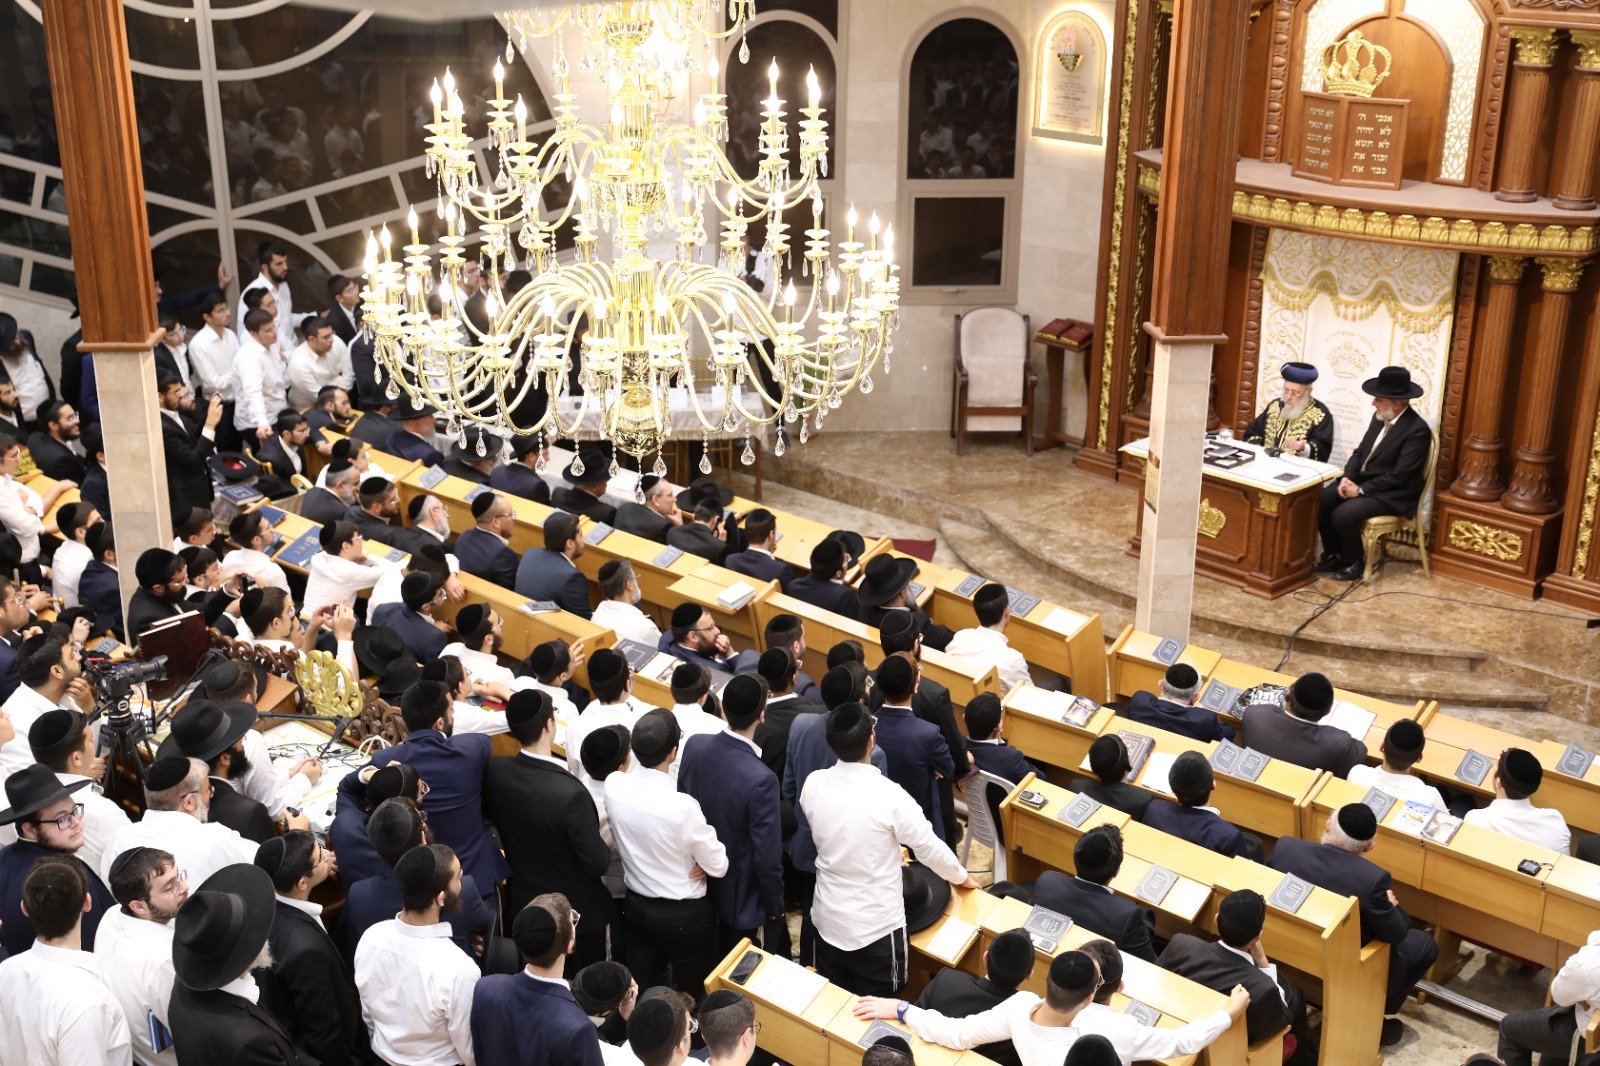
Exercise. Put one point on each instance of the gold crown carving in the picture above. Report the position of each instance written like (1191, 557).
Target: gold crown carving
(1351, 65)
(1212, 519)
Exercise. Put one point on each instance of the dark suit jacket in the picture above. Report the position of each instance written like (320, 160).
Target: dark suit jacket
(218, 1027)
(466, 472)
(167, 359)
(958, 994)
(407, 445)
(272, 450)
(516, 1018)
(16, 863)
(144, 611)
(773, 733)
(1196, 825)
(310, 990)
(54, 458)
(347, 836)
(516, 479)
(93, 488)
(1001, 760)
(548, 575)
(1399, 467)
(1121, 795)
(1273, 731)
(759, 565)
(343, 327)
(188, 477)
(575, 500)
(696, 539)
(739, 795)
(319, 420)
(638, 519)
(830, 596)
(918, 756)
(689, 655)
(1195, 722)
(1213, 965)
(1098, 910)
(372, 527)
(245, 816)
(377, 899)
(454, 768)
(422, 637)
(375, 428)
(934, 635)
(97, 588)
(931, 702)
(486, 555)
(1349, 875)
(551, 832)
(322, 506)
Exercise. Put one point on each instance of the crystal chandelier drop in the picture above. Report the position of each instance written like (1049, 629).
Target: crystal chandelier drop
(685, 324)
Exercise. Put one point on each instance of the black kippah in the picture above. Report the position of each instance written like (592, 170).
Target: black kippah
(166, 773)
(480, 504)
(415, 871)
(685, 674)
(472, 621)
(524, 704)
(1358, 821)
(600, 986)
(1405, 737)
(1074, 971)
(270, 856)
(52, 727)
(250, 602)
(1182, 676)
(741, 700)
(1521, 770)
(652, 1024)
(374, 486)
(607, 665)
(534, 931)
(686, 614)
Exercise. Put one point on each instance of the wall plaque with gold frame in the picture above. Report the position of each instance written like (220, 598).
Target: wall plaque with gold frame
(1070, 80)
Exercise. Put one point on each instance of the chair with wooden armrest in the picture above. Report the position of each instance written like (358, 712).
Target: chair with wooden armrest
(993, 385)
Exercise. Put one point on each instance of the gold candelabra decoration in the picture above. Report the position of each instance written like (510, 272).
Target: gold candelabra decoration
(645, 324)
(1069, 57)
(1351, 65)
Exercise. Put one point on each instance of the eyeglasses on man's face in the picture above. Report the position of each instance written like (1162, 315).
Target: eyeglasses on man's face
(65, 820)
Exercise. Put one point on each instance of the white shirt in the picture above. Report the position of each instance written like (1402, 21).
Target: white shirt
(181, 359)
(309, 372)
(416, 994)
(860, 820)
(480, 666)
(1579, 981)
(280, 291)
(135, 960)
(1037, 1045)
(331, 579)
(695, 721)
(257, 565)
(201, 848)
(269, 783)
(626, 621)
(471, 718)
(258, 385)
(22, 512)
(597, 716)
(1521, 819)
(211, 355)
(56, 1011)
(613, 875)
(992, 647)
(662, 834)
(1401, 786)
(27, 374)
(24, 707)
(387, 590)
(103, 819)
(1137, 1042)
(66, 568)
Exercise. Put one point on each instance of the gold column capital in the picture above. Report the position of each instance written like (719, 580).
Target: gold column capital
(1507, 268)
(1588, 43)
(1560, 274)
(1536, 45)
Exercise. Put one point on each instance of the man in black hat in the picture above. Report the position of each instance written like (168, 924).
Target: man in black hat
(308, 987)
(694, 637)
(1175, 709)
(549, 825)
(1294, 422)
(1294, 732)
(702, 532)
(824, 585)
(1237, 958)
(485, 549)
(215, 735)
(1086, 898)
(49, 821)
(474, 456)
(1339, 864)
(550, 573)
(221, 934)
(955, 993)
(518, 477)
(1383, 476)
(414, 439)
(658, 514)
(1192, 782)
(162, 578)
(1516, 778)
(62, 740)
(761, 540)
(413, 617)
(886, 587)
(532, 1016)
(586, 478)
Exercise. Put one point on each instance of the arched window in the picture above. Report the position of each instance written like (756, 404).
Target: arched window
(961, 157)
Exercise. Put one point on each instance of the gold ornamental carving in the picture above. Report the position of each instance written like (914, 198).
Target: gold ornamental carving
(1355, 66)
(1560, 275)
(327, 685)
(1536, 46)
(1119, 193)
(1586, 508)
(1267, 502)
(1490, 541)
(1588, 45)
(1211, 519)
(1507, 268)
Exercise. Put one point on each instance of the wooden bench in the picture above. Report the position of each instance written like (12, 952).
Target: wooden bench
(1450, 738)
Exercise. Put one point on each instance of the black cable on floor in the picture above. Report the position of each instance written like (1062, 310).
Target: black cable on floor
(1288, 648)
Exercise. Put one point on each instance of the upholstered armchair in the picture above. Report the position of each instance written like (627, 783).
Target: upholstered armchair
(993, 385)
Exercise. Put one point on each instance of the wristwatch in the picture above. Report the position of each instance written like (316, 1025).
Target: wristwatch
(900, 1010)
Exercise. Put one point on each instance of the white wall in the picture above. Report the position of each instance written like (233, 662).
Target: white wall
(49, 321)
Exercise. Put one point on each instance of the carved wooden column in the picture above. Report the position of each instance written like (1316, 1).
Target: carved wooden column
(1576, 581)
(1530, 491)
(91, 85)
(1575, 183)
(1525, 118)
(1479, 477)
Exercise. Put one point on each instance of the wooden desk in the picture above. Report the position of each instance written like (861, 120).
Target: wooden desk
(1132, 664)
(1385, 712)
(1449, 738)
(703, 585)
(1572, 897)
(1031, 722)
(523, 631)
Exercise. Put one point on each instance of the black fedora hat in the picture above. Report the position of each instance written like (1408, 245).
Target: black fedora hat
(233, 466)
(886, 575)
(854, 544)
(704, 488)
(466, 449)
(203, 730)
(926, 895)
(382, 652)
(410, 409)
(32, 789)
(220, 929)
(1392, 383)
(596, 466)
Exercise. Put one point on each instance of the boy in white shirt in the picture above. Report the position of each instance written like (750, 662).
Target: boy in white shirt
(1402, 748)
(1516, 778)
(987, 642)
(258, 377)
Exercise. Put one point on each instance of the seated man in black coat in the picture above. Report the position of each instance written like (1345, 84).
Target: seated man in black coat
(1192, 783)
(163, 578)
(1295, 732)
(50, 443)
(957, 994)
(886, 586)
(989, 751)
(1108, 761)
(656, 516)
(1237, 958)
(1339, 864)
(1175, 709)
(824, 585)
(757, 560)
(518, 477)
(1086, 899)
(586, 478)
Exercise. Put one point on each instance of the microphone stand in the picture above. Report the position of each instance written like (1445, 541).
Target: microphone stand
(344, 723)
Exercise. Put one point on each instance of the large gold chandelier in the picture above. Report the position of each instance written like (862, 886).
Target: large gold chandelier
(683, 324)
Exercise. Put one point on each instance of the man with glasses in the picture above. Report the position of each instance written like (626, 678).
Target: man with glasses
(531, 1016)
(729, 1027)
(63, 741)
(133, 948)
(177, 796)
(485, 550)
(695, 638)
(49, 820)
(308, 988)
